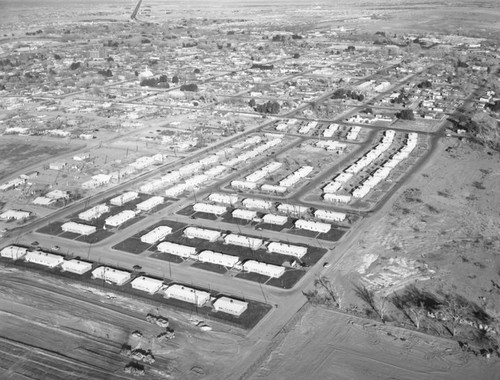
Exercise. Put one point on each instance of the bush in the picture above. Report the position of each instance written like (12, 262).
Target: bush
(75, 65)
(189, 87)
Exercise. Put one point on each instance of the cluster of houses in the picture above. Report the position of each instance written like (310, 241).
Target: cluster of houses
(120, 277)
(331, 189)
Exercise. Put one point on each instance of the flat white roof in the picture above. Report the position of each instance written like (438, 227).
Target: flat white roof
(111, 274)
(230, 305)
(76, 266)
(13, 251)
(148, 284)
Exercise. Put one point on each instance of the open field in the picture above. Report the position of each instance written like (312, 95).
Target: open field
(331, 345)
(19, 153)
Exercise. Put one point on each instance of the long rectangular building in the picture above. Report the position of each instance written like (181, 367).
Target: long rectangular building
(313, 226)
(210, 209)
(177, 249)
(230, 306)
(330, 215)
(156, 235)
(183, 293)
(244, 241)
(76, 266)
(147, 284)
(244, 214)
(257, 203)
(290, 209)
(176, 190)
(112, 275)
(337, 198)
(120, 200)
(265, 269)
(273, 189)
(226, 199)
(278, 220)
(218, 258)
(120, 218)
(44, 258)
(13, 252)
(243, 185)
(78, 228)
(201, 233)
(150, 203)
(94, 212)
(287, 249)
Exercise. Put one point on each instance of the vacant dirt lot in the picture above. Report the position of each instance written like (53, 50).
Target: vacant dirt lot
(327, 345)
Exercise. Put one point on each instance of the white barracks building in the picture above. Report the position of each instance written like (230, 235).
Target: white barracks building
(78, 228)
(270, 270)
(76, 266)
(176, 249)
(13, 252)
(230, 306)
(243, 241)
(218, 258)
(156, 235)
(183, 293)
(124, 198)
(115, 276)
(209, 209)
(287, 249)
(44, 258)
(147, 284)
(201, 233)
(313, 226)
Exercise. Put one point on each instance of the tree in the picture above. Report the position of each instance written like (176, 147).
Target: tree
(406, 114)
(453, 311)
(107, 73)
(75, 65)
(325, 293)
(368, 296)
(411, 304)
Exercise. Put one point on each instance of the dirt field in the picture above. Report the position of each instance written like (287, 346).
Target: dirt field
(18, 152)
(331, 345)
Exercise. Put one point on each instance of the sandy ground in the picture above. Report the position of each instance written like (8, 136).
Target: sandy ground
(329, 345)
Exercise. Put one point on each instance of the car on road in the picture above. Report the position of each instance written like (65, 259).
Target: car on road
(327, 265)
(56, 248)
(35, 243)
